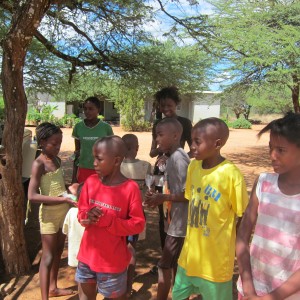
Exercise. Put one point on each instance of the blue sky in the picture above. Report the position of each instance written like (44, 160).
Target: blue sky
(179, 9)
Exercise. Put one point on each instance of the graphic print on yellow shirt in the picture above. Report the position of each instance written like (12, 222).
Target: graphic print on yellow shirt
(199, 207)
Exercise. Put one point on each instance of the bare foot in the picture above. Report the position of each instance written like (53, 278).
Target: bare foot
(60, 292)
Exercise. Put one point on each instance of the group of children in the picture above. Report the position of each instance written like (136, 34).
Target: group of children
(203, 201)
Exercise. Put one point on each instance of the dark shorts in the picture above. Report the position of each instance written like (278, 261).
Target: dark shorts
(110, 285)
(171, 252)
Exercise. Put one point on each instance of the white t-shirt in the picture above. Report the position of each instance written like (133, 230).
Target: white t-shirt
(74, 231)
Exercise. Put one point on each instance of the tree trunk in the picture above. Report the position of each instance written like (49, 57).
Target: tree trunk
(24, 24)
(295, 93)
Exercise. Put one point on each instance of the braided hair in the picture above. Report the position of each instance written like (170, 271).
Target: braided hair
(46, 130)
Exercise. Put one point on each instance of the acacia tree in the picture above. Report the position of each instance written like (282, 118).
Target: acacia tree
(258, 42)
(25, 20)
(114, 25)
(84, 33)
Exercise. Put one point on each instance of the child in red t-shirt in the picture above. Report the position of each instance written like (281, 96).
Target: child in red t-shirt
(110, 208)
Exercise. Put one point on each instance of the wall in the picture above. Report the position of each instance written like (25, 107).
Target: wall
(204, 105)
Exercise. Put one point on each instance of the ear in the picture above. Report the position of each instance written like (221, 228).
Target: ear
(218, 144)
(118, 160)
(42, 143)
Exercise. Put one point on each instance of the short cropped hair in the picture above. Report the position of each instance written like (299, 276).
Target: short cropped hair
(95, 101)
(114, 143)
(176, 125)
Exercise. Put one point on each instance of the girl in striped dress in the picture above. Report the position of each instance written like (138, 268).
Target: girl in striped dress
(270, 268)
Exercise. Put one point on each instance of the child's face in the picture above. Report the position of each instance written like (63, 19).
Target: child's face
(164, 138)
(90, 110)
(203, 146)
(51, 146)
(285, 156)
(105, 160)
(168, 107)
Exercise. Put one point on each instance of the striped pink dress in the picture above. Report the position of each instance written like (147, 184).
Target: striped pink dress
(275, 247)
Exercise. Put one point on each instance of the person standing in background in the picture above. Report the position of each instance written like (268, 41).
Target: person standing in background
(85, 134)
(167, 99)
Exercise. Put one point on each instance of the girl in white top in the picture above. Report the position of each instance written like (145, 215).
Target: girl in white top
(270, 268)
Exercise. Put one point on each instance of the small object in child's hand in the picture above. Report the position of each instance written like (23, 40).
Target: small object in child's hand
(71, 196)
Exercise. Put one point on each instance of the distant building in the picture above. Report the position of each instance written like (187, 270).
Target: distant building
(195, 106)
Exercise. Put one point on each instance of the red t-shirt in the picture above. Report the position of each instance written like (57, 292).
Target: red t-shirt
(103, 246)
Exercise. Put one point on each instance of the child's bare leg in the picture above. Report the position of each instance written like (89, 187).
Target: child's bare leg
(131, 267)
(164, 283)
(59, 246)
(87, 291)
(48, 250)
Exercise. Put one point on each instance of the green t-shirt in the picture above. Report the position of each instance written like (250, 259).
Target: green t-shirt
(87, 137)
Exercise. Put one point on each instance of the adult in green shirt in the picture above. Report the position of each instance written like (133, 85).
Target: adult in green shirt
(85, 134)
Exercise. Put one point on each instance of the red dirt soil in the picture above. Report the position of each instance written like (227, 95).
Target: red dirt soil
(243, 148)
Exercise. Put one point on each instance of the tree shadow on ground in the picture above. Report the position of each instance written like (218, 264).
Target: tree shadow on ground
(252, 161)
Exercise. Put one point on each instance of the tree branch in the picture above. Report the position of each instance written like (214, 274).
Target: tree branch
(76, 61)
(79, 31)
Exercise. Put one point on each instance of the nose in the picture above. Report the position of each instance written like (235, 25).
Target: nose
(95, 162)
(193, 147)
(273, 154)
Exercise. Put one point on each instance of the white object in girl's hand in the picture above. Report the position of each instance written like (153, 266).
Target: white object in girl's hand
(149, 179)
(162, 167)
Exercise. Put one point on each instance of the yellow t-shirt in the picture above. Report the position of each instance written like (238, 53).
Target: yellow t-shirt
(216, 196)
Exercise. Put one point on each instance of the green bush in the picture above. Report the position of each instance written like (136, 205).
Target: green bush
(47, 113)
(131, 125)
(33, 116)
(240, 123)
(69, 120)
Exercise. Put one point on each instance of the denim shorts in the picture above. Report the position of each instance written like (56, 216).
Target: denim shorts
(110, 285)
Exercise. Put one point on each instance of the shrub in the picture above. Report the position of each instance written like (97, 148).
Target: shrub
(69, 120)
(130, 125)
(33, 116)
(240, 123)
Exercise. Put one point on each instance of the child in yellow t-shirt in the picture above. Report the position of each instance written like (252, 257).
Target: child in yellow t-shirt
(217, 194)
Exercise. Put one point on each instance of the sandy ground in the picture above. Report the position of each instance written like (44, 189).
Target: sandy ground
(243, 148)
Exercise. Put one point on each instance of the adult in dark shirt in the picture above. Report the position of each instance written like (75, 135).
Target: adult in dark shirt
(167, 98)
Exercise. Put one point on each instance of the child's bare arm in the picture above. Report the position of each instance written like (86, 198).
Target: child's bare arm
(155, 199)
(288, 288)
(242, 243)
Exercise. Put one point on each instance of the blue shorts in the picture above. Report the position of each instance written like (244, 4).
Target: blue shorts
(132, 238)
(186, 286)
(110, 285)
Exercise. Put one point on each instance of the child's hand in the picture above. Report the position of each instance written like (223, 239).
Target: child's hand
(153, 199)
(85, 222)
(70, 201)
(73, 188)
(94, 214)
